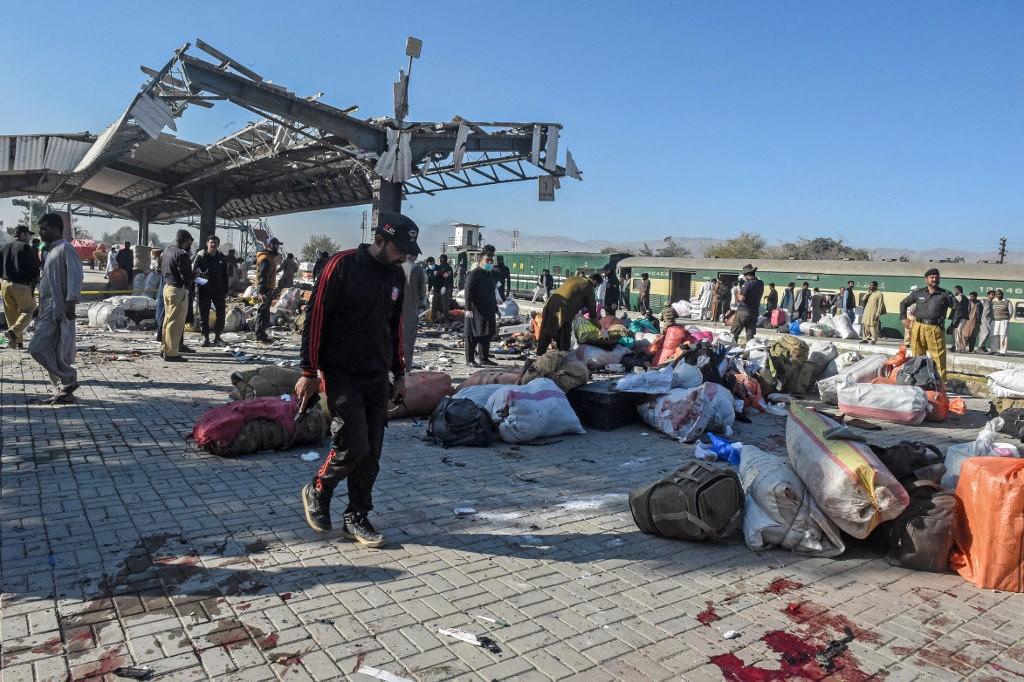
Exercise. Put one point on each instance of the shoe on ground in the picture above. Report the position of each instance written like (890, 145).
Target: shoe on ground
(357, 527)
(217, 341)
(264, 339)
(489, 363)
(316, 509)
(473, 363)
(206, 343)
(186, 349)
(174, 358)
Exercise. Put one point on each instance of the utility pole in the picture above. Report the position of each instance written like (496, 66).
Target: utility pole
(1002, 250)
(515, 240)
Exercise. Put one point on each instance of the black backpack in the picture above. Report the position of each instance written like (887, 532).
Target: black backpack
(919, 371)
(698, 502)
(458, 421)
(920, 539)
(911, 461)
(1013, 422)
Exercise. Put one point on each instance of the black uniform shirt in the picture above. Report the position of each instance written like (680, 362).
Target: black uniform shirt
(19, 263)
(930, 307)
(176, 267)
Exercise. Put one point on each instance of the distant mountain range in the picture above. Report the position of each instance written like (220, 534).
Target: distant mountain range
(432, 236)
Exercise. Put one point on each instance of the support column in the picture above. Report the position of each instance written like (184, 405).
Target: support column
(387, 197)
(208, 215)
(143, 215)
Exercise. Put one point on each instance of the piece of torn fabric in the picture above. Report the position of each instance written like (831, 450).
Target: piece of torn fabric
(395, 164)
(460, 144)
(570, 166)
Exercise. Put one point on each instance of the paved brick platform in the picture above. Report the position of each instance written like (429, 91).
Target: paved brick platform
(123, 545)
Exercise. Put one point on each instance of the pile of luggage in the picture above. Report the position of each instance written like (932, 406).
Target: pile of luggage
(961, 511)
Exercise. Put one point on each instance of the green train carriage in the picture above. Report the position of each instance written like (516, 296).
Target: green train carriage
(526, 266)
(674, 279)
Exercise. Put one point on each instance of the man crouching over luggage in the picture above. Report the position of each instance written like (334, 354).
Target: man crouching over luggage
(353, 338)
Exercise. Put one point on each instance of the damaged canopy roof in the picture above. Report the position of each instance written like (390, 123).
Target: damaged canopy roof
(301, 155)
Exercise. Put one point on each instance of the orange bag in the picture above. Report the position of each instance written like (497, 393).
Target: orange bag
(989, 542)
(892, 364)
(674, 337)
(535, 326)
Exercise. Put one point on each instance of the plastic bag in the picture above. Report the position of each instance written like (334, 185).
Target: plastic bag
(727, 451)
(585, 331)
(779, 511)
(984, 445)
(598, 358)
(794, 327)
(843, 327)
(1007, 383)
(681, 308)
(508, 309)
(847, 480)
(821, 352)
(989, 539)
(536, 410)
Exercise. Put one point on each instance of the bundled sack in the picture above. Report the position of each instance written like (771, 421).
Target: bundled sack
(266, 381)
(456, 421)
(598, 358)
(493, 375)
(989, 541)
(133, 304)
(586, 331)
(234, 319)
(674, 337)
(248, 426)
(105, 314)
(139, 284)
(653, 382)
(1007, 383)
(152, 285)
(682, 308)
(535, 410)
(788, 354)
(288, 300)
(984, 445)
(921, 538)
(698, 502)
(842, 325)
(424, 391)
(862, 372)
(849, 483)
(508, 309)
(779, 511)
(643, 326)
(479, 394)
(896, 404)
(821, 352)
(687, 413)
(561, 367)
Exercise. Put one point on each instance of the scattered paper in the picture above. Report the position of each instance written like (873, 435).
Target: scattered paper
(382, 674)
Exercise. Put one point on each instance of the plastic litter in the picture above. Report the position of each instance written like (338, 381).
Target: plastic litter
(495, 621)
(135, 672)
(730, 634)
(484, 642)
(984, 445)
(382, 674)
(464, 511)
(310, 456)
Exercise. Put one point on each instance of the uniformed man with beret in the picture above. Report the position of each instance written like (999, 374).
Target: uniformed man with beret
(931, 303)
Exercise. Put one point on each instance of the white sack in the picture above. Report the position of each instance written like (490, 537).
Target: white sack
(132, 304)
(234, 319)
(687, 413)
(821, 352)
(685, 375)
(1007, 383)
(843, 327)
(480, 394)
(888, 402)
(105, 314)
(599, 358)
(152, 283)
(508, 309)
(861, 372)
(536, 410)
(653, 382)
(682, 308)
(139, 283)
(848, 359)
(779, 511)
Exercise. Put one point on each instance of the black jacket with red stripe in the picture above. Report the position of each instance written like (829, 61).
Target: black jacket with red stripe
(354, 319)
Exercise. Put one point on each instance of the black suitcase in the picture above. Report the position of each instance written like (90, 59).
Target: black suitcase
(599, 406)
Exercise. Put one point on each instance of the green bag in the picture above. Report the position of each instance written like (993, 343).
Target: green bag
(700, 501)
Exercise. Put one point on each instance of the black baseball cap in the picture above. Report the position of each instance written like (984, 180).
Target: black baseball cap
(274, 240)
(22, 228)
(401, 230)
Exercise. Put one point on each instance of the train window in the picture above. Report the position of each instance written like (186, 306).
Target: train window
(556, 269)
(1019, 310)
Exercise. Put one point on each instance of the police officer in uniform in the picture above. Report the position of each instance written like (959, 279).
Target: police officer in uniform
(931, 303)
(352, 339)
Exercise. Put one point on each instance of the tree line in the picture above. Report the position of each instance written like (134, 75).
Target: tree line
(750, 245)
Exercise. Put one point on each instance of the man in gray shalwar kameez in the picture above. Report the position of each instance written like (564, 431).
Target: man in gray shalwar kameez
(60, 287)
(413, 303)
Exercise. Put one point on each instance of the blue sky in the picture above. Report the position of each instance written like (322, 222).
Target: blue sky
(892, 124)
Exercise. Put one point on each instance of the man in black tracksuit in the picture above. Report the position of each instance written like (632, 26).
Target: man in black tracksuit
(212, 266)
(353, 338)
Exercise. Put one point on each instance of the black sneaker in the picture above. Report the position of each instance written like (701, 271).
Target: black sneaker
(174, 358)
(357, 527)
(206, 342)
(318, 511)
(186, 349)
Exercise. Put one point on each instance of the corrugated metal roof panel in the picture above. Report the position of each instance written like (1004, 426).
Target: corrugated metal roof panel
(28, 152)
(100, 145)
(152, 115)
(5, 152)
(63, 154)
